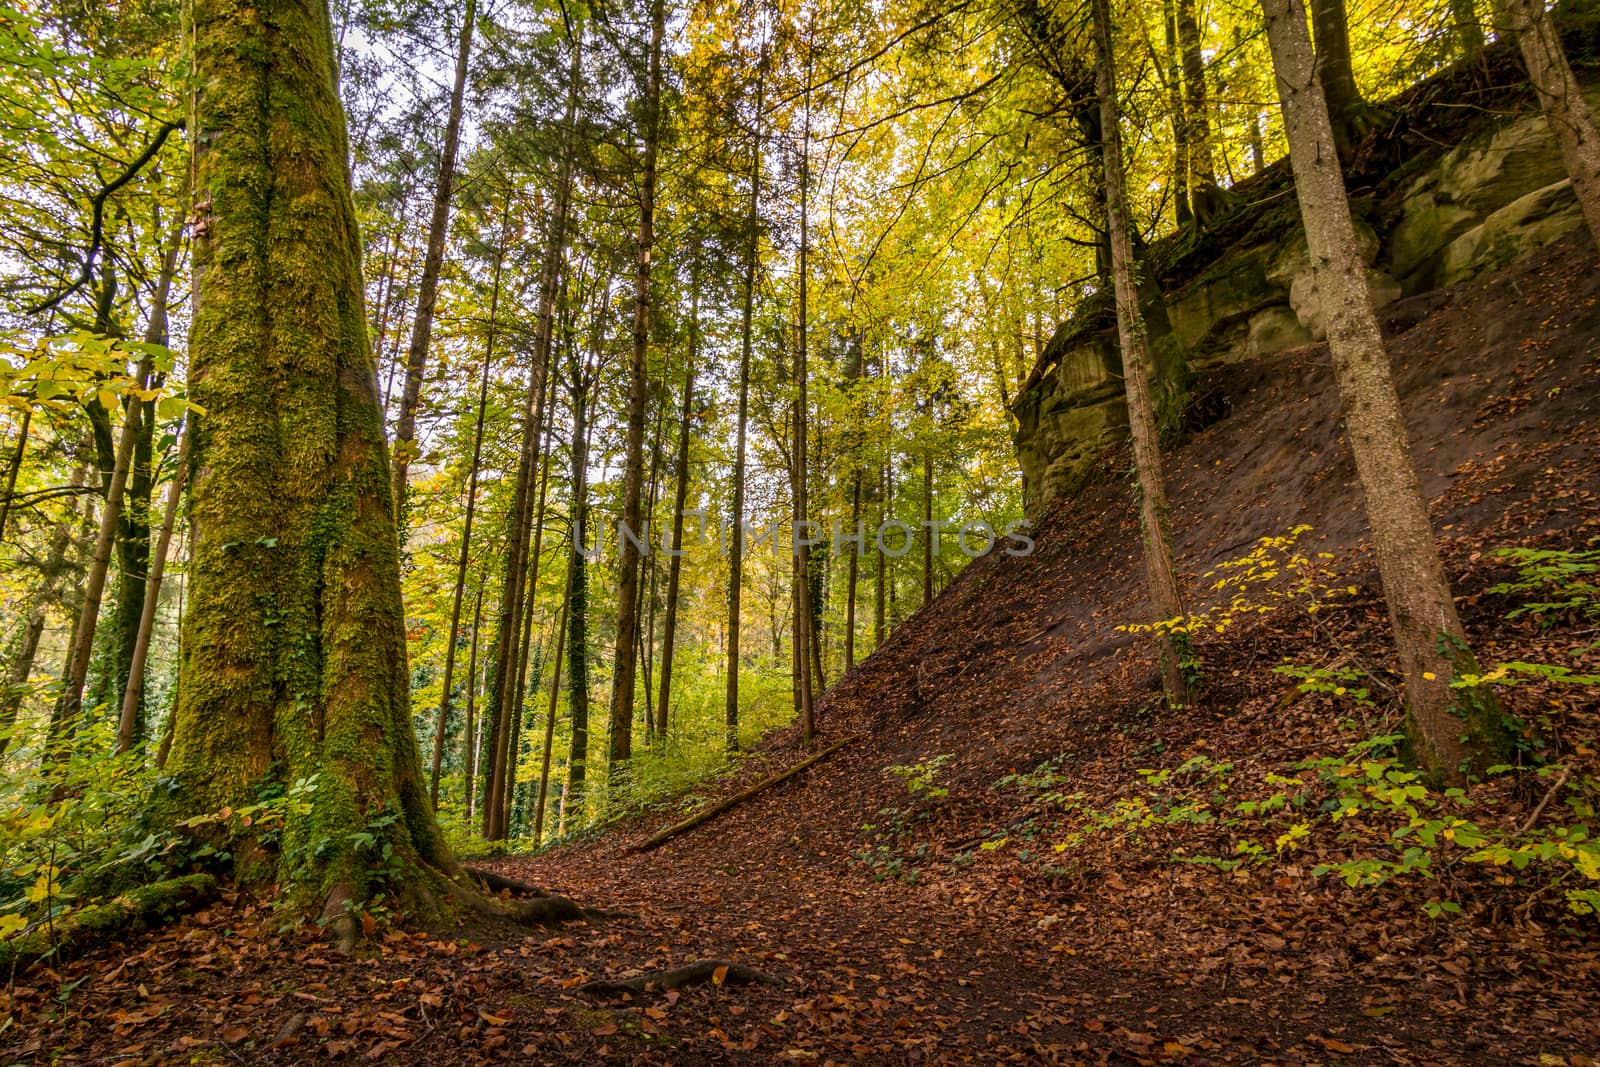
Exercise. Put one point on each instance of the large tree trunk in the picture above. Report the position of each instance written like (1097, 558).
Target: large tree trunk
(405, 429)
(622, 683)
(294, 654)
(464, 554)
(1454, 731)
(1160, 573)
(1561, 97)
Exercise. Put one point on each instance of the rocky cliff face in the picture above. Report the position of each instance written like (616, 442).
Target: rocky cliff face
(1499, 194)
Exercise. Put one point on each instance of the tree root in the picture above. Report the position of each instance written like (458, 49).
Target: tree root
(497, 882)
(140, 908)
(718, 972)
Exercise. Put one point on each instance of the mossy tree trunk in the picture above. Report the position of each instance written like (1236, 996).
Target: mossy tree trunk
(294, 658)
(1454, 731)
(1160, 571)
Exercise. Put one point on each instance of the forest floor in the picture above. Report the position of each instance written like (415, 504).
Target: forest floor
(903, 927)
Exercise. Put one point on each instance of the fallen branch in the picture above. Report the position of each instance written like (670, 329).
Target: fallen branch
(663, 836)
(141, 908)
(718, 972)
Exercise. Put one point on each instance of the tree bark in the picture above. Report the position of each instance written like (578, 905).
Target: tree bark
(1160, 572)
(294, 659)
(622, 688)
(1561, 97)
(405, 429)
(70, 702)
(1197, 115)
(466, 523)
(469, 735)
(133, 694)
(752, 254)
(802, 413)
(680, 474)
(133, 525)
(550, 714)
(509, 614)
(578, 608)
(1453, 731)
(1181, 193)
(45, 594)
(14, 468)
(1347, 109)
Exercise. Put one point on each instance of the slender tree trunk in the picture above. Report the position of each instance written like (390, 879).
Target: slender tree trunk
(927, 520)
(466, 523)
(649, 591)
(1453, 731)
(802, 415)
(405, 429)
(1202, 169)
(1335, 70)
(578, 611)
(1181, 157)
(133, 695)
(294, 665)
(1469, 31)
(13, 468)
(387, 287)
(512, 743)
(854, 570)
(1160, 573)
(752, 253)
(133, 525)
(469, 729)
(622, 689)
(550, 714)
(1561, 97)
(509, 614)
(70, 702)
(45, 594)
(680, 476)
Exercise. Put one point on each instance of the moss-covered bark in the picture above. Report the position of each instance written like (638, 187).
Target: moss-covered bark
(294, 660)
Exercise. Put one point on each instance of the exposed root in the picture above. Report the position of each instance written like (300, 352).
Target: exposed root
(497, 882)
(336, 914)
(718, 972)
(141, 908)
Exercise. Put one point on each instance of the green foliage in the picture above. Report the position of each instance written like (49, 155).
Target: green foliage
(919, 777)
(1568, 583)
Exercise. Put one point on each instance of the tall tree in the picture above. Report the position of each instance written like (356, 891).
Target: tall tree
(294, 670)
(680, 496)
(747, 297)
(405, 429)
(464, 555)
(622, 682)
(1160, 572)
(1454, 731)
(1561, 97)
(1336, 72)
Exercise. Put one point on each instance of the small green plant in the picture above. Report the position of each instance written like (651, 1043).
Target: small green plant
(919, 777)
(1567, 583)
